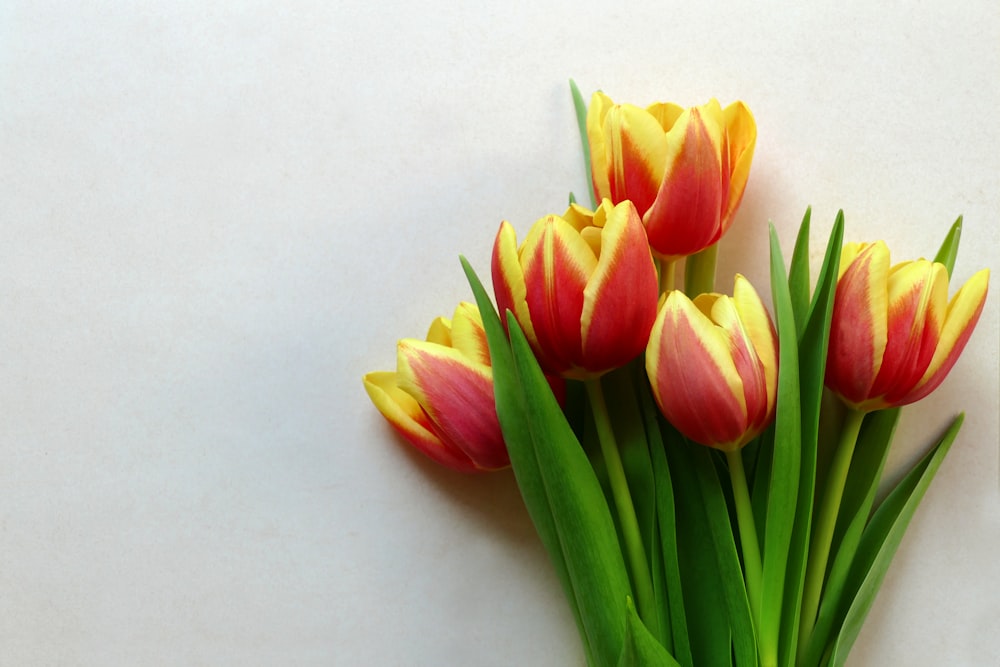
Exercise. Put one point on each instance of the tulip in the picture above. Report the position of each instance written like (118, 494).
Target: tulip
(713, 365)
(684, 169)
(441, 396)
(893, 338)
(583, 288)
(894, 334)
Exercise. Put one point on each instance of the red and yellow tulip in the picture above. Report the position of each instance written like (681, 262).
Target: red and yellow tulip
(895, 335)
(583, 288)
(713, 365)
(441, 396)
(684, 169)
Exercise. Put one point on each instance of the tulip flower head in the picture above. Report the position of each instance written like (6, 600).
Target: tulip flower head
(684, 169)
(713, 365)
(441, 396)
(895, 335)
(583, 288)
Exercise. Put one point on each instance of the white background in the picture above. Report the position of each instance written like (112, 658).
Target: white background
(215, 217)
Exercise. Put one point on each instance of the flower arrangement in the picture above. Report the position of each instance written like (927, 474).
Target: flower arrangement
(702, 473)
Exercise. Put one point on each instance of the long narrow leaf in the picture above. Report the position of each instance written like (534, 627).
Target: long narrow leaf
(783, 487)
(579, 510)
(703, 581)
(581, 120)
(512, 411)
(882, 537)
(949, 248)
(798, 274)
(716, 522)
(812, 369)
(641, 649)
(672, 588)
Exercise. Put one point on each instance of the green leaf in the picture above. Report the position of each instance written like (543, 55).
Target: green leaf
(709, 515)
(813, 338)
(512, 412)
(949, 249)
(640, 648)
(670, 592)
(579, 510)
(581, 120)
(882, 537)
(783, 486)
(704, 582)
(798, 274)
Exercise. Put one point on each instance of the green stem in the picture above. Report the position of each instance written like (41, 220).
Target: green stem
(667, 272)
(748, 533)
(699, 271)
(826, 521)
(634, 550)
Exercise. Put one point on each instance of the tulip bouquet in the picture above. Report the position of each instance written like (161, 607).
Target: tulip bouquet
(703, 475)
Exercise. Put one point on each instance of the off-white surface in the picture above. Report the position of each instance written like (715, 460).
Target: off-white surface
(215, 217)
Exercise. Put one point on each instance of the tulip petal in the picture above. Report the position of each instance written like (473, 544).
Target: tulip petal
(457, 395)
(636, 146)
(741, 138)
(858, 331)
(686, 216)
(468, 335)
(623, 288)
(596, 112)
(508, 280)
(440, 331)
(557, 264)
(407, 417)
(918, 299)
(848, 254)
(963, 314)
(759, 329)
(665, 113)
(745, 361)
(694, 379)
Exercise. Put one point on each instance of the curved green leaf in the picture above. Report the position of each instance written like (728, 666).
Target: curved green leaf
(949, 248)
(813, 340)
(512, 412)
(881, 540)
(640, 648)
(579, 510)
(581, 120)
(783, 485)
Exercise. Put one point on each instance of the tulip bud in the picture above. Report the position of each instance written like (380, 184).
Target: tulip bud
(894, 334)
(684, 169)
(713, 365)
(583, 288)
(441, 396)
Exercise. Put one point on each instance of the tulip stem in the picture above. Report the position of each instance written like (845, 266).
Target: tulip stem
(668, 280)
(634, 550)
(699, 271)
(748, 533)
(826, 521)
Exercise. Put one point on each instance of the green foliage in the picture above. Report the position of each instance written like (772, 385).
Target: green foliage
(683, 504)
